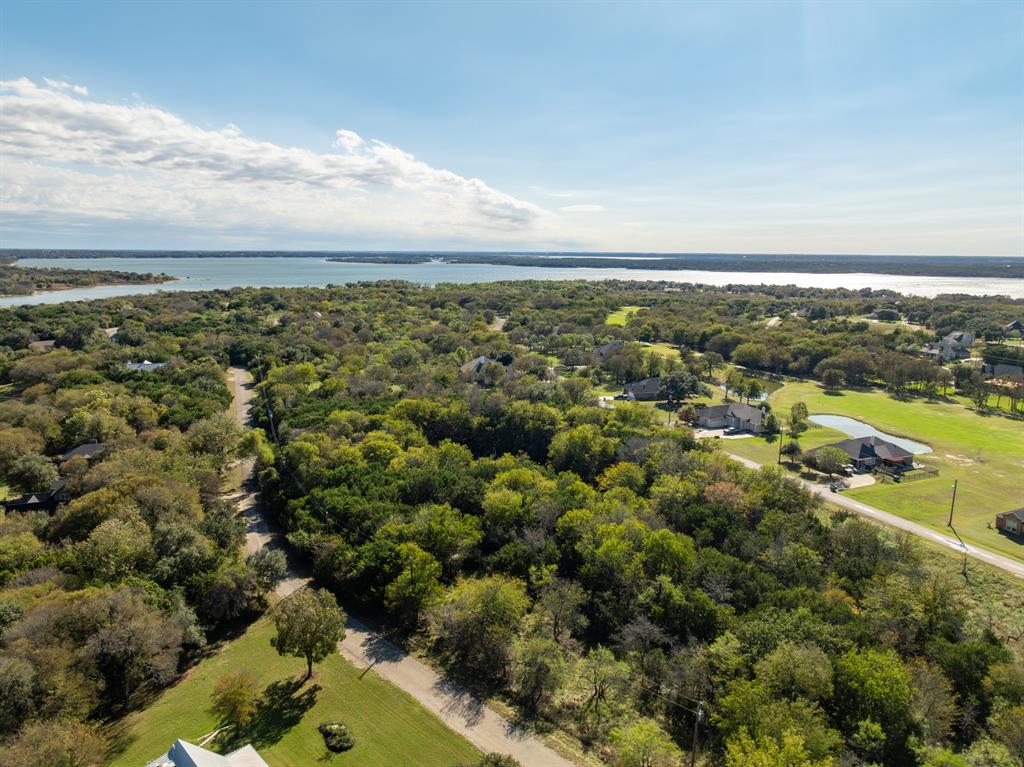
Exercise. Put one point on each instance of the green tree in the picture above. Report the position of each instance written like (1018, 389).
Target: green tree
(235, 698)
(269, 566)
(55, 743)
(31, 472)
(833, 378)
(644, 744)
(416, 587)
(539, 670)
(831, 460)
(477, 620)
(309, 625)
(742, 751)
(583, 450)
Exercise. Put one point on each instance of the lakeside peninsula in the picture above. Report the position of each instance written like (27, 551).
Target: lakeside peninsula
(25, 280)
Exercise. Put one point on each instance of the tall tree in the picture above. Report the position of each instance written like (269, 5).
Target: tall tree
(309, 625)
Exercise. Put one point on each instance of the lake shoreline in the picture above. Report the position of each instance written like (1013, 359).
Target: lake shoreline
(200, 273)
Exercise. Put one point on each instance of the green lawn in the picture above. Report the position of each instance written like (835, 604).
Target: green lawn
(984, 453)
(389, 726)
(766, 450)
(619, 316)
(665, 350)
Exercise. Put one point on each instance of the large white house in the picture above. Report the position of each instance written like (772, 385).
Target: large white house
(183, 754)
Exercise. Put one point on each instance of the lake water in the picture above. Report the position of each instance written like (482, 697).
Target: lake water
(854, 428)
(231, 272)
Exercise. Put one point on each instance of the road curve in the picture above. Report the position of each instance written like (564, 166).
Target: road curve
(460, 711)
(1004, 563)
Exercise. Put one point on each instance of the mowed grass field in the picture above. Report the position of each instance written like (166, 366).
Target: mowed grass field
(620, 315)
(390, 727)
(766, 450)
(985, 454)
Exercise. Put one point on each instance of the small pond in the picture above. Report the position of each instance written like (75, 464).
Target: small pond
(855, 428)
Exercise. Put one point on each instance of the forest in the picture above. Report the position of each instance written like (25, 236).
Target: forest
(442, 460)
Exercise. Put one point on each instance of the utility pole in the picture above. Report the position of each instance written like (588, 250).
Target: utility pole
(696, 732)
(782, 431)
(949, 524)
(951, 504)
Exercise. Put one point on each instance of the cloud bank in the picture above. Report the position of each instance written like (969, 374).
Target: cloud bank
(72, 161)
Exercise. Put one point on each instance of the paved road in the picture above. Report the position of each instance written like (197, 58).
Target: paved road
(463, 713)
(1007, 564)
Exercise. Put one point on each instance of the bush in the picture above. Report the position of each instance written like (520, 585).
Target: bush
(337, 737)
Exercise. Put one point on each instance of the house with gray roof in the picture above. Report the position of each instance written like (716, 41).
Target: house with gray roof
(955, 346)
(605, 351)
(646, 390)
(732, 415)
(868, 452)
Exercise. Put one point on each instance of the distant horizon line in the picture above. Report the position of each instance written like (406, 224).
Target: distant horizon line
(299, 252)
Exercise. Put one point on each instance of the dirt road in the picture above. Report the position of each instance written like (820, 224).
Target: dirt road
(486, 729)
(463, 713)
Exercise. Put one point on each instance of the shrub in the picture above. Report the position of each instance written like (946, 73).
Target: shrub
(337, 737)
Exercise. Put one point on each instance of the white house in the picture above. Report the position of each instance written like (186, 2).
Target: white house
(183, 754)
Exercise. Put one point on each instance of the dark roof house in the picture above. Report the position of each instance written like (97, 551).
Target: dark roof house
(607, 350)
(648, 390)
(476, 365)
(41, 500)
(870, 451)
(88, 450)
(732, 415)
(1015, 325)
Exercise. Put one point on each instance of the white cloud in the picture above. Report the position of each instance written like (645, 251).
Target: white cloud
(581, 208)
(70, 158)
(60, 85)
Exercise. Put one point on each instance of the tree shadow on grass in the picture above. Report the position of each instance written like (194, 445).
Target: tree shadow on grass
(282, 707)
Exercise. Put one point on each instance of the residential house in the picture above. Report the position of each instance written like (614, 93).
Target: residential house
(1011, 522)
(869, 452)
(733, 415)
(607, 350)
(955, 346)
(477, 367)
(145, 366)
(41, 500)
(87, 450)
(1015, 325)
(183, 754)
(646, 390)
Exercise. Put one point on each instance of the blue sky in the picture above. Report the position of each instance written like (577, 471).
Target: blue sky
(761, 127)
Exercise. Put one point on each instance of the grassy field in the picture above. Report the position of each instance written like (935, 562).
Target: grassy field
(766, 450)
(389, 726)
(984, 453)
(619, 316)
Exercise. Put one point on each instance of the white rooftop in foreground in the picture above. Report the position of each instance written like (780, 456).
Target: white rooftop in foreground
(183, 754)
